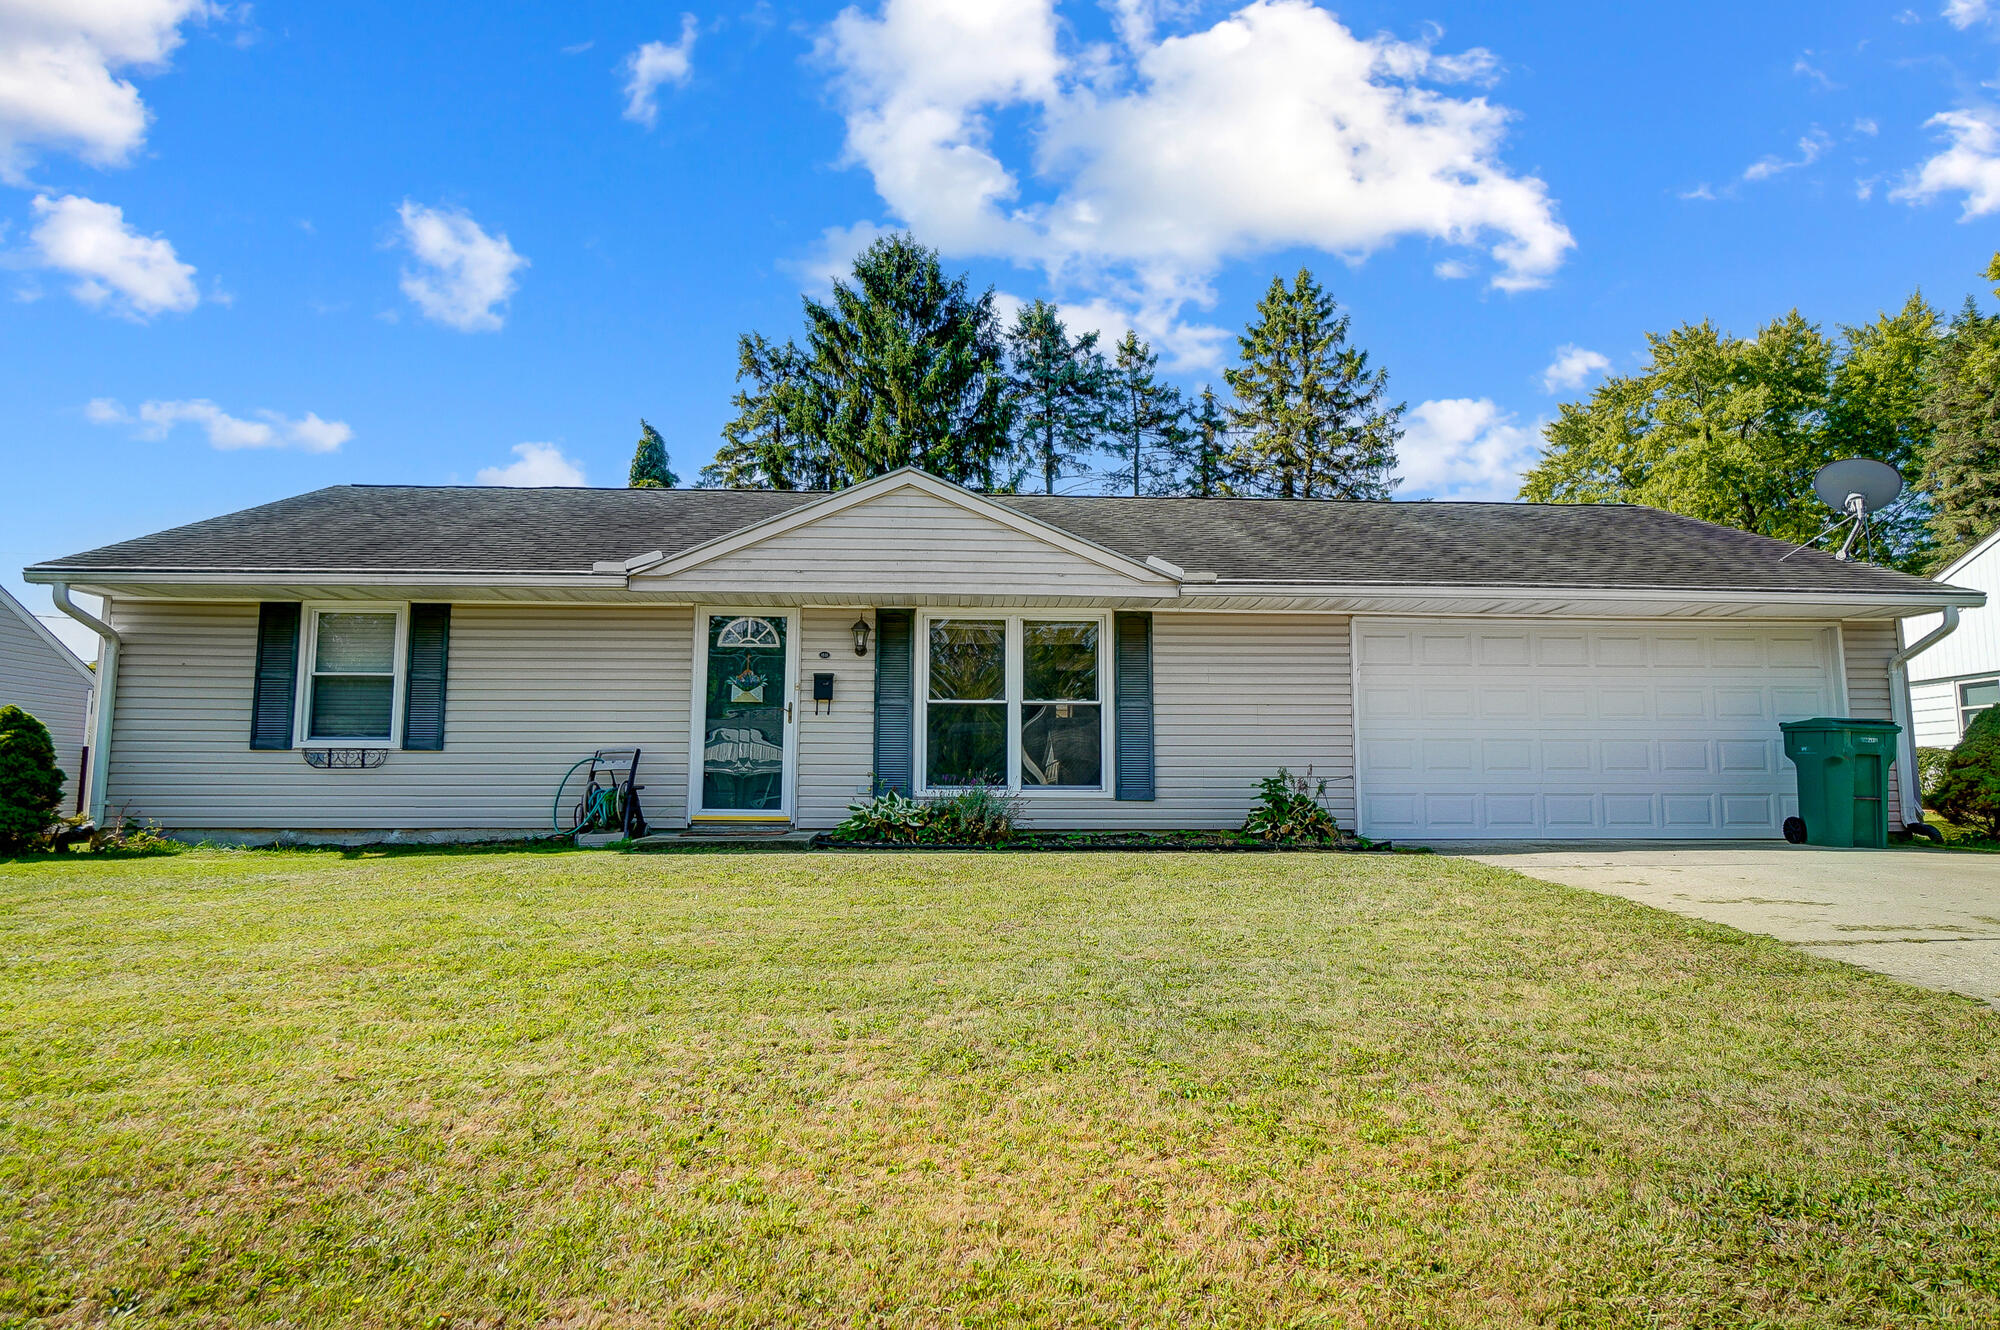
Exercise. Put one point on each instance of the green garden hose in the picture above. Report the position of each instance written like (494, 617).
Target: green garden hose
(555, 809)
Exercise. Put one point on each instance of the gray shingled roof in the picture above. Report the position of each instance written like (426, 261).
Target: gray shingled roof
(439, 529)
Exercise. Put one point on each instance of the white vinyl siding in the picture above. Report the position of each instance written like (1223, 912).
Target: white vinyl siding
(1533, 729)
(1934, 706)
(836, 745)
(873, 551)
(531, 690)
(45, 682)
(1870, 643)
(1973, 649)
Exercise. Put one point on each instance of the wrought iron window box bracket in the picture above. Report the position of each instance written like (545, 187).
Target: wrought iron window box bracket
(345, 759)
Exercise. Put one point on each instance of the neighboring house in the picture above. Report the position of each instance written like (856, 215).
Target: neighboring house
(45, 679)
(1955, 680)
(1455, 670)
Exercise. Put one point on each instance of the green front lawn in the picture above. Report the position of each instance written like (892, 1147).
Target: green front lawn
(608, 1090)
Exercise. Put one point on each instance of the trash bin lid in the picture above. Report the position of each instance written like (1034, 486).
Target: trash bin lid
(1836, 723)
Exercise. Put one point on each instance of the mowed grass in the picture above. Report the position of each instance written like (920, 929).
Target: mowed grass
(579, 1090)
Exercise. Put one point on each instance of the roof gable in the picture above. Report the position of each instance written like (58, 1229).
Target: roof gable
(899, 534)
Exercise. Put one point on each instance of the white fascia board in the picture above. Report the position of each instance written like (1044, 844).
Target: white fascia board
(903, 478)
(41, 630)
(1911, 602)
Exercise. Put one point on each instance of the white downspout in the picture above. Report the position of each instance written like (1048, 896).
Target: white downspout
(107, 693)
(1899, 710)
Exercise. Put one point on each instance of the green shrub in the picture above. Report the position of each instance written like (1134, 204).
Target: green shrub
(1968, 790)
(978, 816)
(1291, 809)
(30, 781)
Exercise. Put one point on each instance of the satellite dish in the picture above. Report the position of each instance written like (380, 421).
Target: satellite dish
(1875, 483)
(1854, 488)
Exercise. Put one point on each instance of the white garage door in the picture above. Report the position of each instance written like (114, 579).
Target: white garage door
(1506, 729)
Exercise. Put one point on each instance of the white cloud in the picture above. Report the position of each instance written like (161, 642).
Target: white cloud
(1965, 13)
(155, 420)
(1971, 165)
(1811, 147)
(1807, 69)
(1275, 128)
(1571, 367)
(1464, 448)
(534, 464)
(1867, 127)
(1453, 270)
(463, 275)
(653, 64)
(59, 67)
(118, 269)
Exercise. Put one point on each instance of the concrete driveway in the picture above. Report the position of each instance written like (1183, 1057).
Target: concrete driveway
(1928, 917)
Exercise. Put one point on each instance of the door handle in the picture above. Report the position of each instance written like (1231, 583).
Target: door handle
(788, 713)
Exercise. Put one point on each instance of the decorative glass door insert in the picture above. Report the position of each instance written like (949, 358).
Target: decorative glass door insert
(744, 718)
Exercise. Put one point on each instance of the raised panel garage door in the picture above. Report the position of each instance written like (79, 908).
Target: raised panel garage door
(1496, 729)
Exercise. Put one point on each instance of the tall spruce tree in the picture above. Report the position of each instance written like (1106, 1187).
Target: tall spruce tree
(903, 366)
(764, 447)
(1315, 421)
(649, 462)
(1145, 420)
(1962, 405)
(1058, 386)
(1201, 459)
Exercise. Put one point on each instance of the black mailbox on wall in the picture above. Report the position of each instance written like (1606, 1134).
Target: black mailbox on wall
(822, 688)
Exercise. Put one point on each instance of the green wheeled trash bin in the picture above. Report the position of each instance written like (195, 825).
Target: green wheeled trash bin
(1843, 780)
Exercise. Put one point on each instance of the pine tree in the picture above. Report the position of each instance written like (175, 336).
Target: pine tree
(904, 367)
(1057, 384)
(1315, 421)
(1962, 407)
(649, 462)
(764, 446)
(1201, 459)
(30, 781)
(1145, 422)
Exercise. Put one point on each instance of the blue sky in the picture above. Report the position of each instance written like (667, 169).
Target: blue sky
(249, 251)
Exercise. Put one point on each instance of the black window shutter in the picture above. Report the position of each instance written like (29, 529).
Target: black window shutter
(423, 690)
(895, 703)
(276, 691)
(1132, 637)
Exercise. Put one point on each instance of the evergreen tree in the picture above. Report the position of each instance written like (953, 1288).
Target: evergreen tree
(764, 446)
(649, 462)
(1201, 458)
(1962, 405)
(1315, 421)
(903, 366)
(1058, 386)
(1145, 420)
(30, 781)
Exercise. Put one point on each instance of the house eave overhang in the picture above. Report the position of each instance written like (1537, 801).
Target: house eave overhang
(1575, 601)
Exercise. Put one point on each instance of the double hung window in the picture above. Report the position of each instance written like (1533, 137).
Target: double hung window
(1974, 696)
(1015, 701)
(353, 668)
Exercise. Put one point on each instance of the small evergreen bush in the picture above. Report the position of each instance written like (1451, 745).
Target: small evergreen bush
(1968, 790)
(30, 782)
(1291, 809)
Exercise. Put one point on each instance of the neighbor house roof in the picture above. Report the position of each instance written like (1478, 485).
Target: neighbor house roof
(466, 530)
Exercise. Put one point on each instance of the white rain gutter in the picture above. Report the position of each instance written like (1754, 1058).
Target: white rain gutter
(1899, 710)
(107, 693)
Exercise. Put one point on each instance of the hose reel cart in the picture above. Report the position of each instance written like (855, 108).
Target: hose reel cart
(609, 797)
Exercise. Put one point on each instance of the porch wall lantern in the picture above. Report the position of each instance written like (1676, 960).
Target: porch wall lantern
(861, 631)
